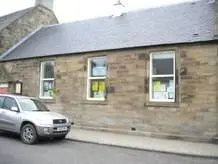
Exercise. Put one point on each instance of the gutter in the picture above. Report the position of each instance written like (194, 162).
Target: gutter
(213, 41)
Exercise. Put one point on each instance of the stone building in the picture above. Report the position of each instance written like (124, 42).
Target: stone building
(17, 26)
(150, 72)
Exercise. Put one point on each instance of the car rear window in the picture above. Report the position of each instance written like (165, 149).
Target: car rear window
(9, 103)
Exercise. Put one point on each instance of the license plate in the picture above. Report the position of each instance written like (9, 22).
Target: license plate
(61, 129)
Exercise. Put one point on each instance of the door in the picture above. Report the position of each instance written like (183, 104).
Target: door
(10, 118)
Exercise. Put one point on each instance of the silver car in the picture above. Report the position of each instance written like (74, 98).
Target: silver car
(31, 119)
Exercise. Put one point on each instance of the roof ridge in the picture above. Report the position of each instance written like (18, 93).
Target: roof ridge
(23, 12)
(131, 11)
(17, 11)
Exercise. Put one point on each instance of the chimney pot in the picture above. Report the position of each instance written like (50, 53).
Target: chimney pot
(118, 9)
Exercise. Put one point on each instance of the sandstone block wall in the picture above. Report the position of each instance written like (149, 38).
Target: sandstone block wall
(127, 108)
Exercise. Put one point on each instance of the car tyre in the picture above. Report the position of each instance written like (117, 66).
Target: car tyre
(28, 134)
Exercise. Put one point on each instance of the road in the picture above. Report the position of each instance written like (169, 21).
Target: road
(13, 151)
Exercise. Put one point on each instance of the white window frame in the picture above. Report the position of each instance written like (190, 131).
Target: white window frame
(44, 79)
(151, 76)
(89, 78)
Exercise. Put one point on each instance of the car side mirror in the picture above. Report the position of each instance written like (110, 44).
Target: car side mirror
(14, 108)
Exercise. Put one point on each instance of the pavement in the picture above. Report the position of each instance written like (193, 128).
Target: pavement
(145, 143)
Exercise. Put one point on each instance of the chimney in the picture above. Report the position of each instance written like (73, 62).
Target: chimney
(47, 3)
(118, 9)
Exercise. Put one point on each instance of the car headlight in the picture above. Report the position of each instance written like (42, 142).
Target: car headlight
(46, 130)
(68, 120)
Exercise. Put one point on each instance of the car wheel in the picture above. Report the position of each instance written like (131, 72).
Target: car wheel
(28, 134)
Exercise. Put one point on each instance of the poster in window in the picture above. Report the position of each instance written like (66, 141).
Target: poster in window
(169, 89)
(101, 86)
(50, 85)
(170, 95)
(165, 95)
(163, 88)
(98, 94)
(171, 83)
(156, 86)
(99, 71)
(46, 86)
(94, 86)
(157, 95)
(160, 95)
(97, 88)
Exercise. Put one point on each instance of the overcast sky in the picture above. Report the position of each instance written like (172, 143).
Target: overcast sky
(71, 10)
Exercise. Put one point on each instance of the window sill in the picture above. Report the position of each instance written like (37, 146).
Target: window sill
(95, 102)
(162, 104)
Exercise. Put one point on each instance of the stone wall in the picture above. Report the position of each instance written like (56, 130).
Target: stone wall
(26, 24)
(127, 109)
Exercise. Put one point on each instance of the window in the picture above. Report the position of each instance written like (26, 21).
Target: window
(47, 79)
(9, 103)
(162, 77)
(96, 86)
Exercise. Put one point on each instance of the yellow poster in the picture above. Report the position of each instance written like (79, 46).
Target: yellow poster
(101, 86)
(94, 86)
(156, 86)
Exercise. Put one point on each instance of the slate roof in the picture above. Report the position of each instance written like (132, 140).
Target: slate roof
(182, 23)
(8, 19)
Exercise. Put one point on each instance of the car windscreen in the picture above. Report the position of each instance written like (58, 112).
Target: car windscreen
(32, 105)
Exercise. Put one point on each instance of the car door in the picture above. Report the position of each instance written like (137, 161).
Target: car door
(10, 117)
(1, 112)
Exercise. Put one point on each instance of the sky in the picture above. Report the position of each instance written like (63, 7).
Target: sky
(72, 10)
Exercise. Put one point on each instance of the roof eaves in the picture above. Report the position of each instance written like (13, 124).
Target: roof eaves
(18, 44)
(113, 49)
